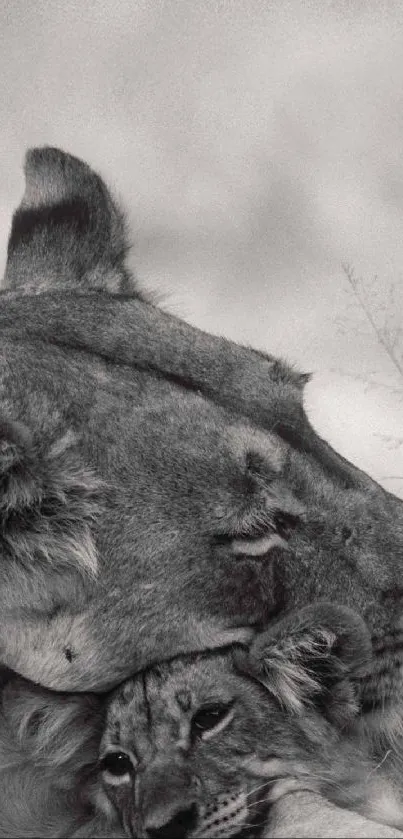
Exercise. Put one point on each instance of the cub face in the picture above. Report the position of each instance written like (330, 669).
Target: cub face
(200, 746)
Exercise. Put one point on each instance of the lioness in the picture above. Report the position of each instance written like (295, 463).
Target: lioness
(201, 746)
(162, 490)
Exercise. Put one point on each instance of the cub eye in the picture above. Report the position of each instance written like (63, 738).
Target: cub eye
(117, 764)
(211, 719)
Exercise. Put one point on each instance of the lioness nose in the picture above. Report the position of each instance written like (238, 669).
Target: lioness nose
(178, 826)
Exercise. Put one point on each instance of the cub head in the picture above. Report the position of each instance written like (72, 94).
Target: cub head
(200, 746)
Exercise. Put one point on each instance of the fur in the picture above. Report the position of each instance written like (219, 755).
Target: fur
(47, 743)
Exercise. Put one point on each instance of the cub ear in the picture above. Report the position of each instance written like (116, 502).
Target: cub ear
(310, 658)
(68, 232)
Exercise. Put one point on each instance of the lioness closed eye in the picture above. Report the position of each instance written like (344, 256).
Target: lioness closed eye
(200, 747)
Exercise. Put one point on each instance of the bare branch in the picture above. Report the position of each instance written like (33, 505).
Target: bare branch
(388, 335)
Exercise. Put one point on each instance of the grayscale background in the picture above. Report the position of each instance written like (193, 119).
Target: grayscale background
(257, 147)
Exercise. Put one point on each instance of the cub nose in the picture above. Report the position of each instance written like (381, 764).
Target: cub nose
(178, 826)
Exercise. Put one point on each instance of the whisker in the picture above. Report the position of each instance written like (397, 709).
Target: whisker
(258, 788)
(254, 824)
(261, 801)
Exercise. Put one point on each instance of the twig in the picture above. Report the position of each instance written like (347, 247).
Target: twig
(388, 346)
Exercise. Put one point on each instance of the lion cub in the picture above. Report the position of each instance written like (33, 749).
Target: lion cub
(201, 746)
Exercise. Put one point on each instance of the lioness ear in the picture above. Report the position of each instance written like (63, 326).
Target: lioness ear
(308, 659)
(67, 232)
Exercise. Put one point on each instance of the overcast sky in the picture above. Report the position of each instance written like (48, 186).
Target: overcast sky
(257, 147)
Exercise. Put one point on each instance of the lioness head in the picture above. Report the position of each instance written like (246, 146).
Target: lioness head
(200, 747)
(162, 490)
